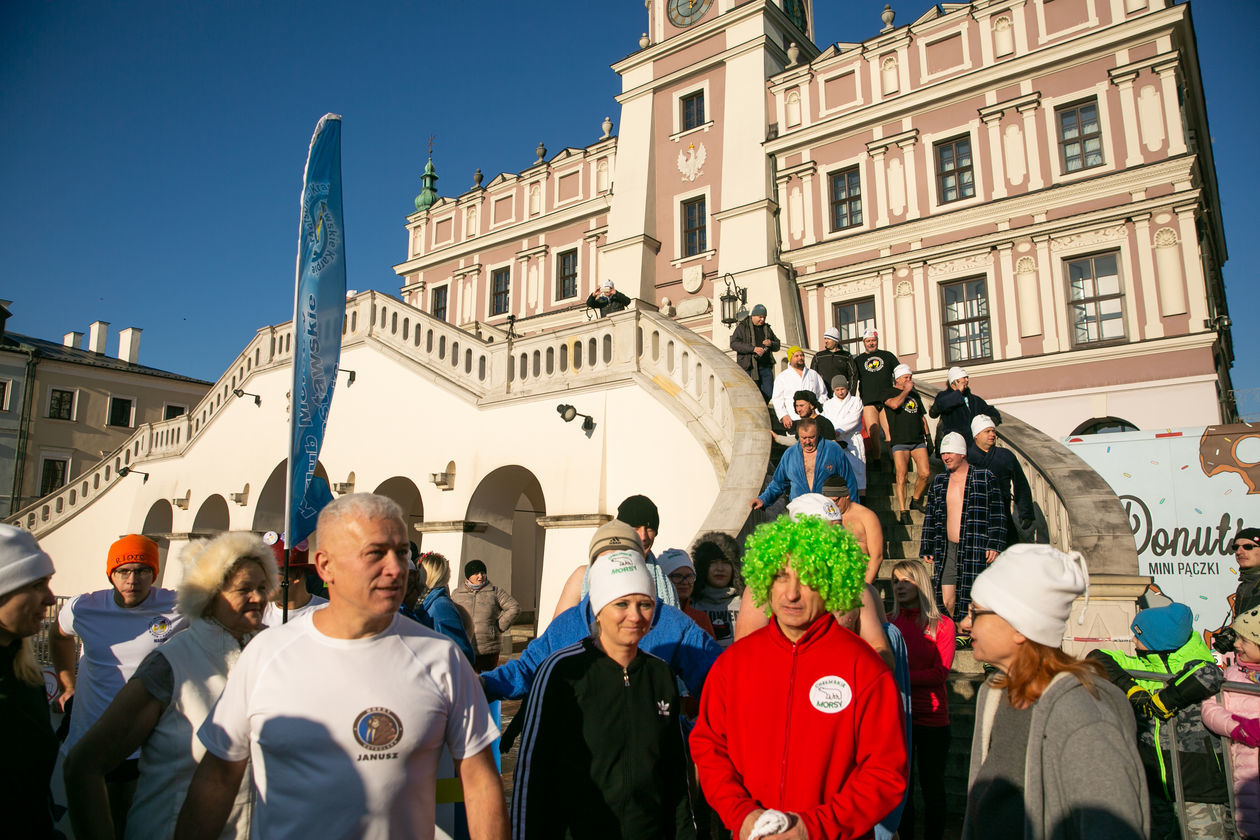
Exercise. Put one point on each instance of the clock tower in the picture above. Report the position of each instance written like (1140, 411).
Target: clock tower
(693, 199)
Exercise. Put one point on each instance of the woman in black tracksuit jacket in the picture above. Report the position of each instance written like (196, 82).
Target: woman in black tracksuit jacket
(602, 752)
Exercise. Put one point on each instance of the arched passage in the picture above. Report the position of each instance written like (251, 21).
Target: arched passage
(269, 512)
(1103, 425)
(405, 492)
(212, 516)
(509, 501)
(158, 524)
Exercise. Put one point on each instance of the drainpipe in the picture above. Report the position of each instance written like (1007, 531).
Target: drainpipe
(24, 427)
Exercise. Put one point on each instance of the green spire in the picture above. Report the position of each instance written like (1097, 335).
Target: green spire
(428, 191)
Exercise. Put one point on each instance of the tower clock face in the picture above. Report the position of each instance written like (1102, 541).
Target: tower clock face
(687, 12)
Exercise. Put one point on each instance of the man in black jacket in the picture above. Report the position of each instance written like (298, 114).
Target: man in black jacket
(834, 360)
(957, 407)
(1011, 481)
(754, 343)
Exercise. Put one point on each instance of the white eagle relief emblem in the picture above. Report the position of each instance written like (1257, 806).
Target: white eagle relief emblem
(691, 161)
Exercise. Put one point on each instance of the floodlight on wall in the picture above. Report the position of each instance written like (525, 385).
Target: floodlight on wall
(240, 393)
(123, 472)
(241, 498)
(444, 480)
(568, 414)
(181, 502)
(732, 300)
(350, 376)
(343, 488)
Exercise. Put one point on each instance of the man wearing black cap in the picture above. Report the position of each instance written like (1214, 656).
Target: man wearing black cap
(754, 343)
(1246, 549)
(858, 520)
(807, 406)
(640, 513)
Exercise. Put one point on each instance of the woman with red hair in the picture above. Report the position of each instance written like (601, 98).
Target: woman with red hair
(1053, 754)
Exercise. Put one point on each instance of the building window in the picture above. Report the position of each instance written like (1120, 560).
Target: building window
(52, 475)
(500, 290)
(694, 224)
(170, 412)
(1080, 136)
(5, 387)
(60, 404)
(966, 321)
(953, 170)
(566, 274)
(852, 318)
(692, 110)
(120, 412)
(846, 199)
(1095, 300)
(437, 303)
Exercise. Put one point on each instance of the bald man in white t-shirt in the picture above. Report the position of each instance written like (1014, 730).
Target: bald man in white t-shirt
(344, 712)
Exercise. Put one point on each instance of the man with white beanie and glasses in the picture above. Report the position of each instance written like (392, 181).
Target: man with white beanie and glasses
(1012, 483)
(957, 406)
(964, 527)
(1053, 753)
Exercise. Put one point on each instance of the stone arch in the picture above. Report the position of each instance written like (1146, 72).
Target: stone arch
(212, 516)
(269, 511)
(508, 501)
(158, 524)
(405, 492)
(1103, 425)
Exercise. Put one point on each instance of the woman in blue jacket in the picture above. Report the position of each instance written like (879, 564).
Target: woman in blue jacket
(437, 603)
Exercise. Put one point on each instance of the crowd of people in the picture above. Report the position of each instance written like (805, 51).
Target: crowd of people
(752, 688)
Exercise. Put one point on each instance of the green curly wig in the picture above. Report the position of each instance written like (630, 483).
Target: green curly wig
(826, 558)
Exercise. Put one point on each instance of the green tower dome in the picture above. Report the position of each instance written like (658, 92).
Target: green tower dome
(428, 192)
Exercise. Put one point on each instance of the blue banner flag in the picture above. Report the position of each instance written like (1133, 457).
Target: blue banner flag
(319, 309)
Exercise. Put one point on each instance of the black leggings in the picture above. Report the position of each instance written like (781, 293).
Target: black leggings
(930, 749)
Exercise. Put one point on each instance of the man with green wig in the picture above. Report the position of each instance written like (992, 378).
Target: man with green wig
(799, 732)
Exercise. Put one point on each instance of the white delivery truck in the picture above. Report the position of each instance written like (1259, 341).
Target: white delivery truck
(1187, 492)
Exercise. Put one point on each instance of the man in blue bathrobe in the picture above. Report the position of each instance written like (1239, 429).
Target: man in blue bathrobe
(805, 466)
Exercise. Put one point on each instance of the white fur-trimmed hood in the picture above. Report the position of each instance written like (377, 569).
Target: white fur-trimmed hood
(207, 563)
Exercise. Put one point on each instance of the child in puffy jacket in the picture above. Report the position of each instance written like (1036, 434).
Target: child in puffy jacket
(1236, 715)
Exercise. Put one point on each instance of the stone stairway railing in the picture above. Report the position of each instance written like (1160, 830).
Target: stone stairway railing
(698, 383)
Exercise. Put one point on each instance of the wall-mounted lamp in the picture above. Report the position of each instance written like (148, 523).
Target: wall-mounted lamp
(568, 413)
(1220, 322)
(733, 300)
(181, 502)
(350, 377)
(442, 480)
(343, 488)
(240, 393)
(241, 498)
(123, 472)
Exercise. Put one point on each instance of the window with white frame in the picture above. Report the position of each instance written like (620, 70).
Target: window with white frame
(53, 473)
(6, 386)
(965, 320)
(437, 302)
(121, 412)
(566, 274)
(692, 110)
(1095, 299)
(170, 411)
(955, 179)
(846, 198)
(852, 318)
(1080, 136)
(694, 227)
(500, 290)
(61, 403)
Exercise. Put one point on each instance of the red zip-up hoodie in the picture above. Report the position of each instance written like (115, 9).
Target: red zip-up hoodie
(812, 728)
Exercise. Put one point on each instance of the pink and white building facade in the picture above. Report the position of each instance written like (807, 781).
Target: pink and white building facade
(1021, 187)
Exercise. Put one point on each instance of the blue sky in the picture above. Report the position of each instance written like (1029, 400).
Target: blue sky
(153, 151)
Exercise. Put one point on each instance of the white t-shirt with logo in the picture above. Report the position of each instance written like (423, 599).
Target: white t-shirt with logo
(115, 641)
(345, 734)
(274, 617)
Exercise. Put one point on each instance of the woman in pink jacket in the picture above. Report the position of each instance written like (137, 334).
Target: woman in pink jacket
(1236, 716)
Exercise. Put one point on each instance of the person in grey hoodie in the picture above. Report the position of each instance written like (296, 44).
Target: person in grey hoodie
(1067, 767)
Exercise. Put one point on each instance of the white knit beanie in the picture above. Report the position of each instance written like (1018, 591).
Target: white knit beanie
(900, 371)
(953, 443)
(1033, 587)
(672, 559)
(981, 422)
(814, 504)
(22, 561)
(956, 373)
(617, 574)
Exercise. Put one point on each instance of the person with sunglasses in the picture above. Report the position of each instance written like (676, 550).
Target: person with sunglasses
(118, 628)
(1246, 551)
